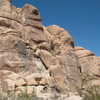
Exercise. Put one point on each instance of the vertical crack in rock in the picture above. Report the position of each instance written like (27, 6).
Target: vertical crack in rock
(44, 64)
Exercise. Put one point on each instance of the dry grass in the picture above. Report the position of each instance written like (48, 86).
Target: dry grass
(10, 95)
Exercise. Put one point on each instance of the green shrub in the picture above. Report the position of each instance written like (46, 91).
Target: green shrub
(92, 93)
(10, 95)
(89, 91)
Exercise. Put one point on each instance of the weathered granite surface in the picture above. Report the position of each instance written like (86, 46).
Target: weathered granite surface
(41, 59)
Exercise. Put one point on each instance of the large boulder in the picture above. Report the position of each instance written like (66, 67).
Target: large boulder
(90, 66)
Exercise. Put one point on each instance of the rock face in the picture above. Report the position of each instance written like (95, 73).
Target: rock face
(90, 65)
(41, 59)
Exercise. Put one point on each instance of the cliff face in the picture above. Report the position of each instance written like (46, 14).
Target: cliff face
(43, 59)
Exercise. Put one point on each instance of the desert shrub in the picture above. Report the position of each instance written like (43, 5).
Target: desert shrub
(92, 93)
(25, 96)
(89, 91)
(10, 95)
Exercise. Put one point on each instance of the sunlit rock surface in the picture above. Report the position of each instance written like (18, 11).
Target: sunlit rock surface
(41, 59)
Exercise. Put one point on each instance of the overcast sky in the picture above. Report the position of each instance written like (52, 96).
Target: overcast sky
(81, 18)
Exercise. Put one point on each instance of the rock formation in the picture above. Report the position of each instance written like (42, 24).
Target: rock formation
(41, 59)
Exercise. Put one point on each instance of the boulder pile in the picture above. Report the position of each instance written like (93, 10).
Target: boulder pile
(39, 59)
